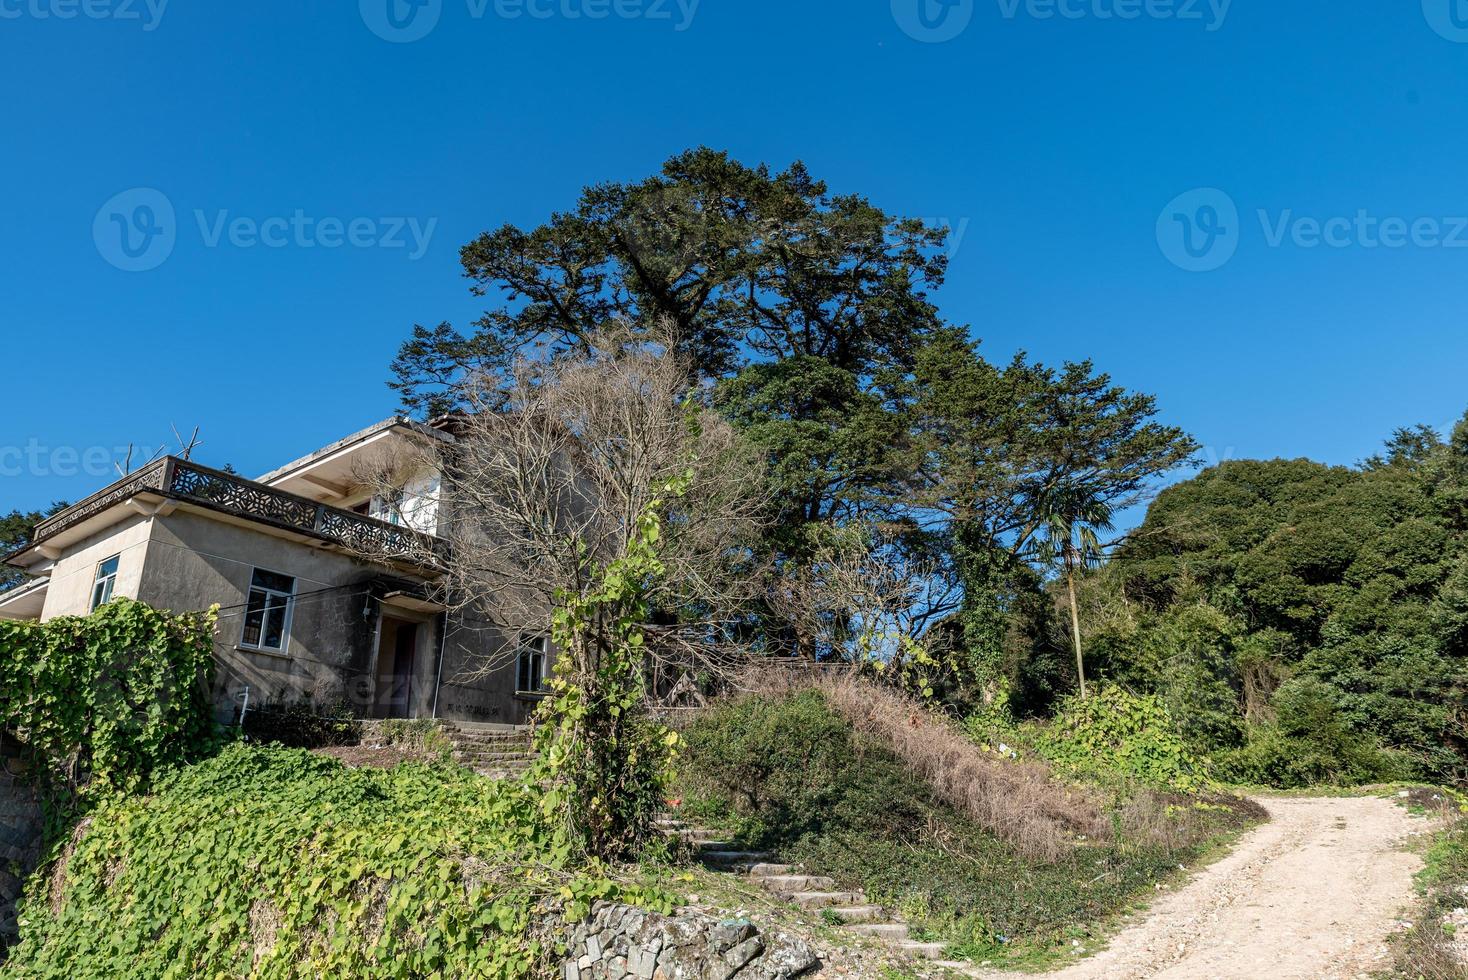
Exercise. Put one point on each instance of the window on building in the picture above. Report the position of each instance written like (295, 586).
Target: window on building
(105, 581)
(268, 613)
(532, 671)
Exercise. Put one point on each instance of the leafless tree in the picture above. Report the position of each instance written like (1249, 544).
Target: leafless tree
(554, 462)
(863, 595)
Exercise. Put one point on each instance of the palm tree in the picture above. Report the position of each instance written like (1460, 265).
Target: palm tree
(1071, 541)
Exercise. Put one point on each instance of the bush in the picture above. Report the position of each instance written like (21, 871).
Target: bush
(109, 699)
(301, 725)
(1310, 744)
(1115, 731)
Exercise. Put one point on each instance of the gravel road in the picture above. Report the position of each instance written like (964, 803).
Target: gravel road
(1313, 894)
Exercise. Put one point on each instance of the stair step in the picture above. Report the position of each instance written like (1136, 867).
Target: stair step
(826, 900)
(790, 884)
(859, 914)
(727, 858)
(716, 846)
(891, 931)
(771, 870)
(923, 951)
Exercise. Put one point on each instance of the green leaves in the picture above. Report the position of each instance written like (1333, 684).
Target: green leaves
(276, 863)
(118, 695)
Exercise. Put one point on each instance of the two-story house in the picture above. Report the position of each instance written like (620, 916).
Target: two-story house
(324, 588)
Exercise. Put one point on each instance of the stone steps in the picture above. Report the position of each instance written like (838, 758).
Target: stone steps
(497, 751)
(815, 892)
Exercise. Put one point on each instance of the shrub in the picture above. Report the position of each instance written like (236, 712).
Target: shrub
(1310, 744)
(1120, 732)
(1016, 800)
(109, 699)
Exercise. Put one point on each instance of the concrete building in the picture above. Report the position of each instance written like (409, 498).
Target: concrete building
(304, 614)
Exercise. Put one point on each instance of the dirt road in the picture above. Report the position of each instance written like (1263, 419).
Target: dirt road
(1312, 894)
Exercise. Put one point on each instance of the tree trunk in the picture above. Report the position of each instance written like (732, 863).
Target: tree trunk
(1075, 625)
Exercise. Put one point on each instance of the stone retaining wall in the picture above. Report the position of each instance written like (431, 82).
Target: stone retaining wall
(623, 943)
(20, 835)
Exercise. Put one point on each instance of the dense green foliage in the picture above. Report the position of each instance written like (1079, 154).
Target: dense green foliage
(797, 779)
(603, 763)
(112, 697)
(1303, 620)
(1119, 732)
(270, 862)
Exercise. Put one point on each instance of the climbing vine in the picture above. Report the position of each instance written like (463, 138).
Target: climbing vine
(107, 700)
(603, 764)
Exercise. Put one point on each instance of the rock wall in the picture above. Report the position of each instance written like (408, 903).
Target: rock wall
(623, 943)
(20, 835)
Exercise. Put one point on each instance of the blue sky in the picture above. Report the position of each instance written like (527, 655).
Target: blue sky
(1053, 134)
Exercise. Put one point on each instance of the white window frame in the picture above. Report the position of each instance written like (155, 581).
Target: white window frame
(532, 645)
(269, 593)
(104, 586)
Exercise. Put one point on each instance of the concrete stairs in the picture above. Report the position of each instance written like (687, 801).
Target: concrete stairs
(816, 892)
(497, 751)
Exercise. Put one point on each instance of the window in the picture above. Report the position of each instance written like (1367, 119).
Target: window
(268, 613)
(105, 582)
(530, 677)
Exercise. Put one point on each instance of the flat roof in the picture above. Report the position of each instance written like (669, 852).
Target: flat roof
(397, 421)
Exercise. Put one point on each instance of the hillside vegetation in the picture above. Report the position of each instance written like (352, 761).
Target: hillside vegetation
(1306, 624)
(999, 858)
(271, 862)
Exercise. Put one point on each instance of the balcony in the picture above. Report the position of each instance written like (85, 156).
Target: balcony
(188, 483)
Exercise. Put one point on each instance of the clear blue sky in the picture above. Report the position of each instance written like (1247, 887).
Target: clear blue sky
(1055, 143)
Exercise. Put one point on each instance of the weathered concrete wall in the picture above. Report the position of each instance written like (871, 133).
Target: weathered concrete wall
(70, 591)
(195, 562)
(619, 942)
(20, 836)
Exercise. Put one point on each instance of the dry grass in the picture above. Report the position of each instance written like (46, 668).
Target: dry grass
(1019, 801)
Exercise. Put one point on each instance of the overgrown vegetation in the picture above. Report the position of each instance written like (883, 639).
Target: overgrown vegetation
(106, 700)
(1436, 947)
(271, 862)
(802, 780)
(1307, 624)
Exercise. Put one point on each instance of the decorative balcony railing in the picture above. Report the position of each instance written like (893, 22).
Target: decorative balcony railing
(188, 482)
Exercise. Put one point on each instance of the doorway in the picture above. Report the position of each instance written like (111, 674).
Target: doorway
(397, 655)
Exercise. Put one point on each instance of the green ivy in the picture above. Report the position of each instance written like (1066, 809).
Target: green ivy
(266, 862)
(602, 763)
(1115, 730)
(109, 699)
